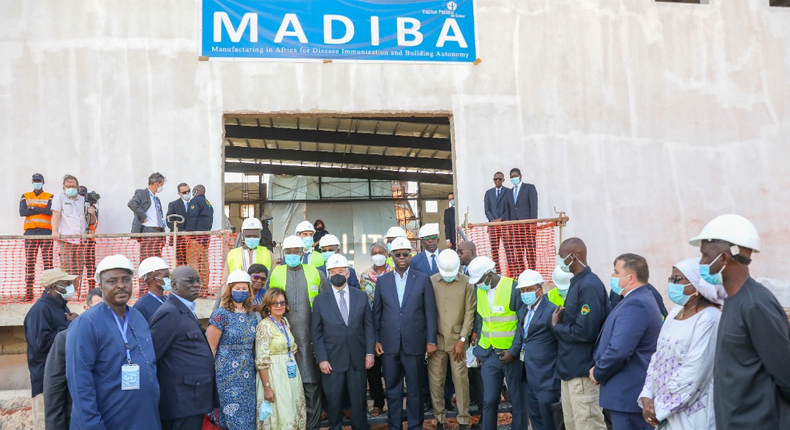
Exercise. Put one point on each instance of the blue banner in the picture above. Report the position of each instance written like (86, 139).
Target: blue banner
(340, 30)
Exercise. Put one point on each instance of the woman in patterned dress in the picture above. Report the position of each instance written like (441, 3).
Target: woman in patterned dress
(231, 334)
(275, 355)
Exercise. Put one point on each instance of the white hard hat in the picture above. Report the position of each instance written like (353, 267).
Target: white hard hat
(478, 268)
(429, 230)
(448, 263)
(561, 278)
(394, 232)
(151, 264)
(304, 226)
(336, 261)
(401, 243)
(328, 240)
(293, 242)
(238, 276)
(731, 228)
(529, 278)
(116, 261)
(251, 224)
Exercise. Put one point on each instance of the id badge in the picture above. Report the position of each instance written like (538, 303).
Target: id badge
(130, 377)
(521, 354)
(314, 288)
(290, 366)
(499, 309)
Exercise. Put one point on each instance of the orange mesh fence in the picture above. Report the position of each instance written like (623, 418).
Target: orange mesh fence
(517, 245)
(23, 259)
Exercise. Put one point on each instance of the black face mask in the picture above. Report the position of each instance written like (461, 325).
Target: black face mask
(338, 280)
(319, 228)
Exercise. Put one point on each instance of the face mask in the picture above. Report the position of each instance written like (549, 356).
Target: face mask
(675, 293)
(379, 260)
(515, 181)
(240, 296)
(338, 280)
(452, 202)
(561, 263)
(614, 284)
(167, 286)
(327, 255)
(484, 287)
(252, 242)
(563, 293)
(187, 197)
(71, 192)
(69, 292)
(713, 279)
(529, 299)
(308, 242)
(38, 185)
(293, 260)
(448, 279)
(319, 228)
(158, 190)
(389, 247)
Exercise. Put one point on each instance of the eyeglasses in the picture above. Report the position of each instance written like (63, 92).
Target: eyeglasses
(463, 251)
(257, 277)
(674, 279)
(400, 254)
(279, 304)
(183, 193)
(499, 179)
(434, 237)
(195, 280)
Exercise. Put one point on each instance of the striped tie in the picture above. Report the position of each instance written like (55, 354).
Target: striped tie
(343, 306)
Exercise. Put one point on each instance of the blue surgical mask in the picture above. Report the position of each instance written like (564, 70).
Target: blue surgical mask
(515, 181)
(530, 298)
(327, 255)
(38, 185)
(389, 247)
(563, 293)
(713, 279)
(69, 292)
(484, 287)
(251, 242)
(449, 279)
(240, 296)
(186, 197)
(71, 192)
(293, 260)
(675, 293)
(614, 284)
(308, 242)
(562, 265)
(452, 202)
(168, 285)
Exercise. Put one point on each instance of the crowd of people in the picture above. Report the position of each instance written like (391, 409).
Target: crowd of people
(290, 345)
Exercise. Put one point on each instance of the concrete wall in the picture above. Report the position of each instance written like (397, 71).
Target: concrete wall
(642, 120)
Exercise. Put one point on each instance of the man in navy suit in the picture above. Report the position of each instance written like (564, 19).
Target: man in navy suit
(538, 350)
(449, 223)
(626, 343)
(343, 339)
(497, 209)
(615, 298)
(180, 206)
(425, 262)
(184, 361)
(404, 314)
(523, 206)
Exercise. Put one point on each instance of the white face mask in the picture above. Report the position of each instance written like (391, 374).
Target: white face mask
(379, 260)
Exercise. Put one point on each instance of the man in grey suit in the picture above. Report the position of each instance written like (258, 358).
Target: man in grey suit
(343, 340)
(497, 209)
(523, 206)
(148, 216)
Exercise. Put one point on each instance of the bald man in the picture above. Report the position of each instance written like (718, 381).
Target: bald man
(577, 327)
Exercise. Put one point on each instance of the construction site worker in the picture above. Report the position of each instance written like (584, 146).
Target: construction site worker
(329, 246)
(497, 322)
(36, 207)
(392, 233)
(155, 274)
(562, 281)
(425, 261)
(305, 231)
(302, 282)
(250, 252)
(751, 378)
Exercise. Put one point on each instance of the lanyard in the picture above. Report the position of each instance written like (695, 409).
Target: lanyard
(157, 298)
(285, 332)
(258, 299)
(123, 331)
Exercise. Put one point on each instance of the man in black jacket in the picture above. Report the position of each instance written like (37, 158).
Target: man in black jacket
(200, 217)
(180, 206)
(46, 318)
(449, 223)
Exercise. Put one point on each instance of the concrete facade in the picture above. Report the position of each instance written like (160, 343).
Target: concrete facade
(642, 120)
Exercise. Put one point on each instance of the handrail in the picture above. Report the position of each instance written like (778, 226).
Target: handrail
(560, 221)
(120, 235)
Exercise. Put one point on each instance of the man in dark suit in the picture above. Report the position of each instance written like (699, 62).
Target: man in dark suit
(425, 261)
(449, 223)
(523, 206)
(343, 340)
(404, 314)
(615, 298)
(497, 209)
(180, 206)
(185, 364)
(626, 343)
(538, 350)
(200, 217)
(148, 216)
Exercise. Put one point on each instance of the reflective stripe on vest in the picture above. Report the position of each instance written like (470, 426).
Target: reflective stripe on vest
(555, 297)
(279, 275)
(38, 201)
(498, 327)
(262, 256)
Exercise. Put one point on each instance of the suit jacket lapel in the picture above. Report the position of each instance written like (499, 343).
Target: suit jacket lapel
(333, 303)
(409, 285)
(536, 316)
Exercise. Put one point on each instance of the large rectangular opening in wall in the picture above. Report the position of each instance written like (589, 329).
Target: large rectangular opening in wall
(780, 3)
(685, 1)
(360, 174)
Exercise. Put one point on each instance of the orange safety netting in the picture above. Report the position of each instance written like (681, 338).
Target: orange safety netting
(23, 260)
(516, 246)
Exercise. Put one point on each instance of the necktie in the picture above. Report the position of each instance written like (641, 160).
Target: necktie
(515, 194)
(343, 306)
(159, 217)
(497, 193)
(529, 318)
(306, 258)
(433, 263)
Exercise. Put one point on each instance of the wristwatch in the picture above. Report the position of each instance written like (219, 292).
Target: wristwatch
(462, 339)
(268, 384)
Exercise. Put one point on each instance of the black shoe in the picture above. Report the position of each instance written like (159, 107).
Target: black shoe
(439, 426)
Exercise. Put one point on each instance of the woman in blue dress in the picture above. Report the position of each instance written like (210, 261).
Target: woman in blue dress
(231, 334)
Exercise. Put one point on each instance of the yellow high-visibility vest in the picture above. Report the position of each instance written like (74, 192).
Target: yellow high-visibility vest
(500, 322)
(279, 276)
(262, 256)
(555, 297)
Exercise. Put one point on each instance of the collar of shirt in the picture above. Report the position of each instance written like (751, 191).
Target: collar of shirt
(338, 290)
(187, 303)
(535, 305)
(626, 294)
(405, 274)
(428, 254)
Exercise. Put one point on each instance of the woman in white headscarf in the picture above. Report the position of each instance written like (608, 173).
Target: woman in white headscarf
(679, 384)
